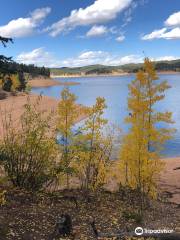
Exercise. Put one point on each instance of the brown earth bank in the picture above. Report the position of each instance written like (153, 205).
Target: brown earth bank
(48, 82)
(89, 75)
(106, 75)
(168, 72)
(169, 182)
(14, 105)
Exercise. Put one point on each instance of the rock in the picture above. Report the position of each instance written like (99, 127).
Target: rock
(63, 227)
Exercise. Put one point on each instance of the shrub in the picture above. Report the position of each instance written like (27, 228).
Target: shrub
(28, 151)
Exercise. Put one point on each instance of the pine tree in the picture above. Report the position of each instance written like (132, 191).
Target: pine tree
(4, 60)
(140, 152)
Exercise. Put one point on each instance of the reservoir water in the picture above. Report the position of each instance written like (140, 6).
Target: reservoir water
(115, 91)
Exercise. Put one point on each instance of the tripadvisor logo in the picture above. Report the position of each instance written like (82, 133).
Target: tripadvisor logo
(140, 231)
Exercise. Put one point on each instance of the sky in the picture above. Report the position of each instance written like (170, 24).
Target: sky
(73, 33)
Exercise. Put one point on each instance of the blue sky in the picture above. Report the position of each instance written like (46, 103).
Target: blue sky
(58, 33)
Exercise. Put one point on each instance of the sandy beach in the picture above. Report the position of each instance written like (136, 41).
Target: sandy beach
(48, 82)
(168, 183)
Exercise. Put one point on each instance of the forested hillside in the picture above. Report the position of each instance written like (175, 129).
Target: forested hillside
(12, 67)
(130, 68)
(14, 76)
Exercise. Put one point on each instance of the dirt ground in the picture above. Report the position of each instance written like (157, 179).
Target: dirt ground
(27, 217)
(15, 106)
(170, 179)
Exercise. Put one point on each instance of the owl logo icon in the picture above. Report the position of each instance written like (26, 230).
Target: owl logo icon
(139, 231)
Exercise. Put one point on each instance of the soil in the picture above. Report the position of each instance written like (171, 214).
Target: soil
(14, 105)
(29, 217)
(169, 182)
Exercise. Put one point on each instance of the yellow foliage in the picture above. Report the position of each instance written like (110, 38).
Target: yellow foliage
(92, 153)
(15, 82)
(140, 163)
(14, 78)
(67, 114)
(67, 111)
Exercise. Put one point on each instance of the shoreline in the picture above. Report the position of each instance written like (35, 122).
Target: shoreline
(48, 82)
(41, 81)
(90, 75)
(108, 75)
(168, 72)
(169, 181)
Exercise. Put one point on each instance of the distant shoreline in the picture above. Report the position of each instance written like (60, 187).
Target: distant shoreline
(89, 75)
(107, 75)
(168, 72)
(42, 81)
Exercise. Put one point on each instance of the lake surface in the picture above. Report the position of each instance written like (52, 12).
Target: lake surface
(115, 91)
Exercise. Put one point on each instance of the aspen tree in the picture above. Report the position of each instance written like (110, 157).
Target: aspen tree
(93, 150)
(140, 153)
(67, 114)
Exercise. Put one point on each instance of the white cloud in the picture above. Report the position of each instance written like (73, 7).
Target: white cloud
(99, 12)
(100, 57)
(172, 34)
(86, 58)
(165, 58)
(41, 57)
(154, 34)
(173, 20)
(23, 27)
(91, 54)
(101, 30)
(127, 59)
(163, 33)
(171, 31)
(128, 13)
(97, 31)
(120, 38)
